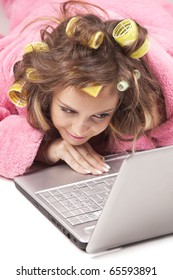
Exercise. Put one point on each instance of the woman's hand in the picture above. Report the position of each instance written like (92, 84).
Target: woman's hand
(83, 159)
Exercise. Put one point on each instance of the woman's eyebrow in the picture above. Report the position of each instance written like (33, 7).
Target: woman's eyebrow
(65, 105)
(105, 111)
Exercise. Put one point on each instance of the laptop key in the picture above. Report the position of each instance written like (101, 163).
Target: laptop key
(54, 192)
(80, 205)
(103, 195)
(101, 184)
(59, 197)
(102, 203)
(96, 198)
(85, 210)
(96, 190)
(59, 207)
(91, 184)
(81, 185)
(69, 195)
(74, 200)
(94, 207)
(67, 214)
(110, 181)
(66, 202)
(94, 215)
(50, 199)
(67, 189)
(76, 212)
(45, 194)
(73, 221)
(71, 208)
(83, 218)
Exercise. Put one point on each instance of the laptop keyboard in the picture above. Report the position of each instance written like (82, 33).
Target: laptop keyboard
(79, 203)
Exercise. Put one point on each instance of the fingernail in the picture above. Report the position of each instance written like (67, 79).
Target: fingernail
(107, 166)
(106, 169)
(99, 172)
(88, 171)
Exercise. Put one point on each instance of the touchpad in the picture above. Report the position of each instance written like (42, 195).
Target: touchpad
(89, 230)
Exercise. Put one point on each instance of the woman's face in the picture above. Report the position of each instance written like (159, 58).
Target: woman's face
(78, 116)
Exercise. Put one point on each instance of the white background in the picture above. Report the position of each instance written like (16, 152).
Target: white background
(28, 239)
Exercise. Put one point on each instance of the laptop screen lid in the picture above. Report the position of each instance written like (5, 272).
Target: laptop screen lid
(140, 205)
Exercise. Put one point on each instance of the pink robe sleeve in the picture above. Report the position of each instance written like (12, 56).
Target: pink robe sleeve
(19, 143)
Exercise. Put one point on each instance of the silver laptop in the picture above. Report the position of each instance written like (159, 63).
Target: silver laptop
(131, 203)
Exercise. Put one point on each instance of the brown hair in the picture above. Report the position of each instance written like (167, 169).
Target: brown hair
(69, 62)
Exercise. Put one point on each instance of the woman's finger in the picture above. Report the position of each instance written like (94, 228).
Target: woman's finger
(81, 159)
(93, 158)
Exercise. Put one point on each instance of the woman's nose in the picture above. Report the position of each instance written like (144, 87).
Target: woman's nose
(80, 128)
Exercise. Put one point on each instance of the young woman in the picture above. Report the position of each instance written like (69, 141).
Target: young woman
(79, 82)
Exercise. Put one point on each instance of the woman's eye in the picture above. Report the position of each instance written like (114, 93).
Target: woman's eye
(101, 116)
(66, 110)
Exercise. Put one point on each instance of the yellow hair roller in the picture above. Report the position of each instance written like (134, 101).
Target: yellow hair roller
(31, 74)
(142, 50)
(126, 33)
(96, 40)
(36, 46)
(71, 26)
(15, 96)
